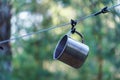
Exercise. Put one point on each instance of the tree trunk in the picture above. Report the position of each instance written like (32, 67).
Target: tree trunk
(5, 49)
(100, 62)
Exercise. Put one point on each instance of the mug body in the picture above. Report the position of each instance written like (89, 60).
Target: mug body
(71, 52)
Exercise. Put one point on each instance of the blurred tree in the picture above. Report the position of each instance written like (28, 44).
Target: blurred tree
(32, 56)
(5, 48)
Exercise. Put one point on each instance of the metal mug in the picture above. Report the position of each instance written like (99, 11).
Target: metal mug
(71, 52)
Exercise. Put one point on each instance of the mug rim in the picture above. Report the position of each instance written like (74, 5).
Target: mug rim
(56, 53)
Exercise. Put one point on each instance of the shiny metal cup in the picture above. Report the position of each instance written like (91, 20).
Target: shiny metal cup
(71, 52)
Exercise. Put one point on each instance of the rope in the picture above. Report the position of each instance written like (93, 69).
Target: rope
(104, 10)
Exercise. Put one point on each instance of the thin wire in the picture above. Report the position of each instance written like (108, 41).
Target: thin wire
(83, 18)
(51, 28)
(80, 19)
(39, 31)
(112, 7)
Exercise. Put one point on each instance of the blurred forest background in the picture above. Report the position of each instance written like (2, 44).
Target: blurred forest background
(32, 57)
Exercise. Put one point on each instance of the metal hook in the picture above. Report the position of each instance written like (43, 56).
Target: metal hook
(73, 29)
(73, 24)
(104, 10)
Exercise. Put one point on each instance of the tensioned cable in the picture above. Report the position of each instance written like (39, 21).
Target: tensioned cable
(104, 10)
(113, 6)
(39, 31)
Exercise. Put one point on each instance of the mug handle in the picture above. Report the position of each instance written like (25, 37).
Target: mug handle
(80, 36)
(74, 31)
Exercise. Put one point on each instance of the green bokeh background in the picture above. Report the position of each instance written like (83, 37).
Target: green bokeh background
(33, 55)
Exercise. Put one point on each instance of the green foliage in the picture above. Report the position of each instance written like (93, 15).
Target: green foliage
(32, 56)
